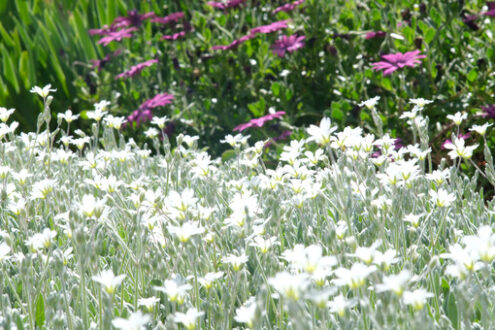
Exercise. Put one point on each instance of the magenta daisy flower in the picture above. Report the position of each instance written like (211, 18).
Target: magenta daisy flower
(225, 5)
(396, 61)
(133, 18)
(259, 122)
(174, 36)
(375, 34)
(144, 113)
(136, 69)
(489, 111)
(491, 9)
(117, 36)
(172, 18)
(288, 6)
(273, 27)
(287, 44)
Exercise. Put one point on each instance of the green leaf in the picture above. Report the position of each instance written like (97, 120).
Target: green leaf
(40, 311)
(429, 35)
(408, 34)
(9, 69)
(59, 72)
(5, 36)
(472, 75)
(257, 108)
(435, 16)
(337, 114)
(452, 312)
(77, 22)
(24, 69)
(276, 89)
(23, 9)
(227, 155)
(423, 26)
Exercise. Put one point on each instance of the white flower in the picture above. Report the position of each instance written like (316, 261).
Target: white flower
(236, 261)
(136, 321)
(151, 133)
(395, 283)
(371, 103)
(235, 141)
(308, 259)
(420, 102)
(4, 251)
(291, 286)
(5, 114)
(114, 122)
(90, 207)
(41, 189)
(263, 244)
(68, 116)
(413, 219)
(108, 280)
(442, 198)
(43, 92)
(366, 254)
(247, 312)
(148, 303)
(458, 117)
(483, 244)
(339, 304)
(186, 230)
(41, 240)
(438, 176)
(175, 288)
(458, 149)
(416, 298)
(99, 111)
(354, 277)
(189, 318)
(321, 134)
(480, 129)
(209, 278)
(159, 121)
(466, 260)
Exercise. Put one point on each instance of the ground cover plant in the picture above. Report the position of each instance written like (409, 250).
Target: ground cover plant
(226, 63)
(348, 231)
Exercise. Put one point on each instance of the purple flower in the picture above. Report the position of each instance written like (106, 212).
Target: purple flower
(282, 136)
(449, 141)
(174, 36)
(259, 122)
(158, 100)
(288, 7)
(397, 61)
(103, 31)
(101, 63)
(227, 5)
(143, 113)
(136, 69)
(234, 43)
(133, 18)
(117, 36)
(276, 26)
(470, 21)
(491, 9)
(273, 27)
(172, 18)
(489, 111)
(375, 34)
(287, 44)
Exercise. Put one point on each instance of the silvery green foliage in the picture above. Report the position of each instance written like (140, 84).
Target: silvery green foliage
(333, 237)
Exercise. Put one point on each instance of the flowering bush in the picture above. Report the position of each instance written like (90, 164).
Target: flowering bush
(345, 232)
(230, 62)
